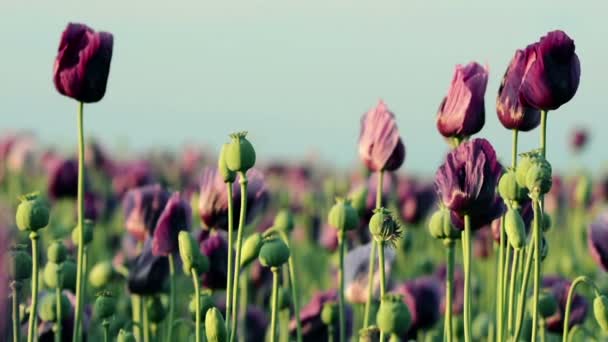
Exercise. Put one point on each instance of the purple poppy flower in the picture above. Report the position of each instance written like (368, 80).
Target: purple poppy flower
(214, 245)
(553, 72)
(559, 287)
(83, 63)
(148, 274)
(415, 200)
(423, 298)
(131, 175)
(512, 112)
(380, 147)
(142, 207)
(63, 179)
(213, 198)
(313, 328)
(598, 240)
(173, 219)
(462, 111)
(579, 139)
(356, 268)
(466, 183)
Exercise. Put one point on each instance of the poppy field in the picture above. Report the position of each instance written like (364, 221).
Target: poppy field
(225, 244)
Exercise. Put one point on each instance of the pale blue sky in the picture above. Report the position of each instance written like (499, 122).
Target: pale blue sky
(297, 75)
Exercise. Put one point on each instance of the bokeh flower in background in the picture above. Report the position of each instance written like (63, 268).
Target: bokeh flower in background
(142, 207)
(380, 147)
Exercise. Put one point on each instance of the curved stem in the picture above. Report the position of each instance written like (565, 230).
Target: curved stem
(16, 326)
(449, 288)
(80, 226)
(275, 304)
(341, 281)
(466, 238)
(229, 273)
(516, 254)
(33, 321)
(237, 260)
(372, 255)
(197, 306)
(537, 232)
(575, 283)
(171, 297)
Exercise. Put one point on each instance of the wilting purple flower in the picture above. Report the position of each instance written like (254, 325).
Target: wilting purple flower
(148, 274)
(423, 297)
(214, 245)
(213, 198)
(512, 111)
(553, 72)
(380, 147)
(466, 183)
(578, 139)
(598, 240)
(83, 63)
(63, 179)
(313, 328)
(559, 287)
(462, 111)
(131, 175)
(415, 199)
(173, 219)
(458, 290)
(356, 268)
(142, 207)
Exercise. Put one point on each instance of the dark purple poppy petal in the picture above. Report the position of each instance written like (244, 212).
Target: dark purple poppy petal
(174, 218)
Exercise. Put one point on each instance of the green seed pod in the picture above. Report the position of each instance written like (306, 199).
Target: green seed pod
(251, 249)
(191, 255)
(240, 154)
(56, 252)
(206, 304)
(539, 177)
(393, 316)
(32, 213)
(358, 200)
(215, 328)
(342, 216)
(68, 275)
(330, 314)
(547, 304)
(481, 327)
(50, 275)
(526, 161)
(125, 336)
(440, 225)
(515, 228)
(274, 253)
(105, 305)
(156, 309)
(101, 274)
(384, 227)
(21, 267)
(88, 233)
(227, 175)
(582, 190)
(369, 334)
(48, 307)
(284, 220)
(508, 188)
(600, 311)
(284, 298)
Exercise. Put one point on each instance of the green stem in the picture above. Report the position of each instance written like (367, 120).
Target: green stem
(382, 278)
(543, 336)
(500, 284)
(514, 149)
(243, 306)
(136, 316)
(537, 232)
(58, 308)
(466, 239)
(229, 273)
(330, 333)
(237, 260)
(15, 286)
(106, 330)
(372, 256)
(33, 321)
(521, 303)
(80, 226)
(543, 132)
(449, 288)
(341, 281)
(197, 306)
(275, 304)
(171, 297)
(575, 283)
(146, 321)
(516, 254)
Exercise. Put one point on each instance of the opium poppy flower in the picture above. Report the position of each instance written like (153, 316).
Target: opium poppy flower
(380, 147)
(148, 274)
(142, 207)
(598, 240)
(131, 175)
(423, 298)
(214, 245)
(174, 218)
(63, 178)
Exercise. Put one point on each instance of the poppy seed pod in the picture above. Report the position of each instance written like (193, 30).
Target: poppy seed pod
(101, 274)
(125, 336)
(21, 267)
(358, 200)
(284, 298)
(393, 316)
(526, 160)
(274, 253)
(515, 228)
(206, 303)
(240, 154)
(600, 311)
(105, 305)
(547, 304)
(215, 328)
(32, 213)
(50, 275)
(342, 216)
(227, 175)
(191, 255)
(538, 177)
(384, 227)
(48, 308)
(68, 275)
(508, 188)
(284, 220)
(251, 249)
(369, 334)
(56, 252)
(88, 233)
(329, 314)
(440, 225)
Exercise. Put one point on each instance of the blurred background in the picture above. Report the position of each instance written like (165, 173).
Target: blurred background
(296, 75)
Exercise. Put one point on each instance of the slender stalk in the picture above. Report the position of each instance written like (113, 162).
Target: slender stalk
(543, 132)
(58, 308)
(543, 336)
(136, 316)
(449, 288)
(382, 278)
(106, 330)
(80, 226)
(521, 304)
(466, 239)
(575, 283)
(171, 297)
(514, 149)
(146, 321)
(197, 306)
(330, 333)
(243, 307)
(537, 232)
(275, 304)
(33, 321)
(516, 254)
(341, 281)
(237, 260)
(499, 285)
(505, 283)
(229, 273)
(372, 256)
(15, 286)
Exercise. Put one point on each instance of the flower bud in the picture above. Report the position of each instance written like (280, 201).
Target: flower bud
(101, 274)
(227, 175)
(32, 213)
(508, 188)
(384, 227)
(284, 298)
(369, 334)
(358, 200)
(50, 275)
(515, 228)
(240, 154)
(156, 309)
(547, 304)
(191, 255)
(205, 304)
(215, 328)
(342, 216)
(88, 233)
(105, 305)
(583, 190)
(21, 267)
(393, 316)
(251, 249)
(125, 336)
(284, 221)
(539, 177)
(56, 252)
(526, 161)
(440, 225)
(68, 275)
(481, 327)
(329, 314)
(48, 308)
(600, 311)
(274, 253)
